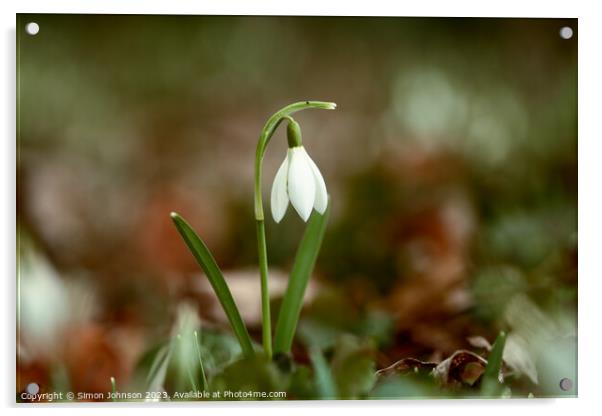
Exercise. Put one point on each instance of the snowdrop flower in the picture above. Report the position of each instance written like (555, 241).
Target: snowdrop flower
(298, 180)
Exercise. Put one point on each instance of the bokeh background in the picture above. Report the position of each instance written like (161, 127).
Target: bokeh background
(451, 162)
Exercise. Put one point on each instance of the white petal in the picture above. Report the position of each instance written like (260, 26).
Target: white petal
(279, 200)
(301, 183)
(321, 200)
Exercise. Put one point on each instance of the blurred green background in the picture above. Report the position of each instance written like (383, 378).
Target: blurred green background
(451, 162)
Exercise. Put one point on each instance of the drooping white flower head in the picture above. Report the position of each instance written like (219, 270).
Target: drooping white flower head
(299, 181)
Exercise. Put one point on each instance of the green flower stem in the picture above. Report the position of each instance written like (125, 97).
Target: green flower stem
(265, 290)
(264, 138)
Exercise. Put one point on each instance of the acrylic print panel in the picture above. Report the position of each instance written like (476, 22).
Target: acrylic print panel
(295, 208)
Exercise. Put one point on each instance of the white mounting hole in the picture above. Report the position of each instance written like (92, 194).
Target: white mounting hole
(566, 32)
(32, 388)
(32, 28)
(566, 384)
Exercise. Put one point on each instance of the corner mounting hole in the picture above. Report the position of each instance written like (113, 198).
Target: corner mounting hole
(566, 32)
(32, 28)
(32, 388)
(566, 384)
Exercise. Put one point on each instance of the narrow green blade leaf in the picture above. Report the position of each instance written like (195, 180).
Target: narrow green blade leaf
(205, 385)
(307, 253)
(325, 386)
(491, 385)
(191, 378)
(156, 375)
(113, 389)
(203, 256)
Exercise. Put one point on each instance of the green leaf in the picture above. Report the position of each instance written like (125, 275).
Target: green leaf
(219, 350)
(156, 375)
(205, 385)
(183, 362)
(250, 378)
(307, 253)
(395, 387)
(301, 386)
(353, 367)
(203, 256)
(113, 389)
(491, 385)
(325, 385)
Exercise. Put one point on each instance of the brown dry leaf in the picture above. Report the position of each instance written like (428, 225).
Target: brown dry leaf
(462, 367)
(406, 365)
